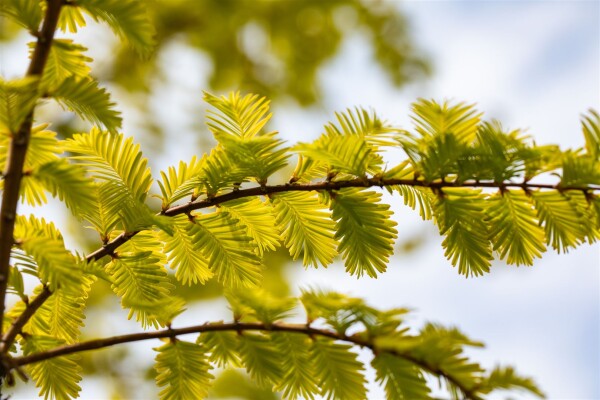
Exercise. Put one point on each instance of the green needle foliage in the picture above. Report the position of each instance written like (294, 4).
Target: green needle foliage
(183, 368)
(221, 215)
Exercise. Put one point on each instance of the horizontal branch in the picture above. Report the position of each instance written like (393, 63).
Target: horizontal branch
(110, 247)
(235, 327)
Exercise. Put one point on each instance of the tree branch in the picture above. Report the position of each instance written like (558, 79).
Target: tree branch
(358, 182)
(110, 247)
(19, 323)
(236, 327)
(18, 150)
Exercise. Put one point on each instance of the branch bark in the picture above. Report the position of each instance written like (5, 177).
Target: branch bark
(237, 327)
(110, 247)
(18, 150)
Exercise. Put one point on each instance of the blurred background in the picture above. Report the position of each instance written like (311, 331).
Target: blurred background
(531, 64)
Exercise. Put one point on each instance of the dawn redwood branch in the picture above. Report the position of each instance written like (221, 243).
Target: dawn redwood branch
(18, 150)
(110, 247)
(236, 327)
(359, 182)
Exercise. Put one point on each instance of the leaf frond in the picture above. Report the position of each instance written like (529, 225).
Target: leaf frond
(178, 183)
(433, 119)
(306, 227)
(62, 315)
(562, 221)
(182, 368)
(590, 125)
(417, 198)
(460, 216)
(71, 18)
(27, 13)
(340, 372)
(230, 251)
(365, 124)
(66, 59)
(350, 154)
(57, 267)
(257, 218)
(58, 377)
(262, 361)
(514, 228)
(119, 165)
(259, 305)
(88, 101)
(364, 229)
(241, 116)
(17, 98)
(127, 18)
(506, 378)
(140, 279)
(299, 379)
(223, 347)
(401, 379)
(184, 255)
(69, 183)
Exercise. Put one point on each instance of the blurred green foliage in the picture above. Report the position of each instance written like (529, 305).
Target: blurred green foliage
(271, 47)
(274, 47)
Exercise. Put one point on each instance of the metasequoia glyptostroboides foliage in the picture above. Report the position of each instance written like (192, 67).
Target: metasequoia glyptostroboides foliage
(488, 190)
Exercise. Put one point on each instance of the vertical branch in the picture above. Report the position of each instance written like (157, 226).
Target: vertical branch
(18, 150)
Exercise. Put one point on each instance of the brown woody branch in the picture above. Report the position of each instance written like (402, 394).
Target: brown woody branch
(18, 150)
(19, 323)
(110, 247)
(360, 183)
(238, 327)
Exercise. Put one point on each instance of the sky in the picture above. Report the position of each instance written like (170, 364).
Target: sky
(531, 64)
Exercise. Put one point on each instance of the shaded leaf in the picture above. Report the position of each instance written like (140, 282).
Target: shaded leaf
(127, 18)
(401, 379)
(88, 101)
(341, 374)
(183, 368)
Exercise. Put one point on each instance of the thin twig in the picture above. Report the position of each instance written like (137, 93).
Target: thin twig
(235, 327)
(110, 247)
(19, 323)
(358, 182)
